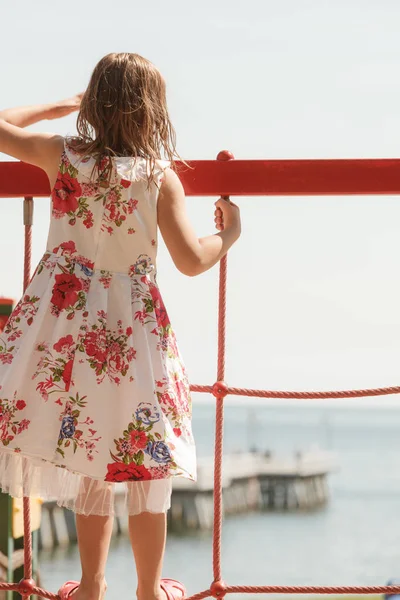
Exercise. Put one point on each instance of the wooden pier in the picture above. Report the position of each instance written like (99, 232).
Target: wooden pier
(251, 482)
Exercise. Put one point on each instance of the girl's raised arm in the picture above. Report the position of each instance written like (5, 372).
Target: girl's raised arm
(193, 255)
(39, 149)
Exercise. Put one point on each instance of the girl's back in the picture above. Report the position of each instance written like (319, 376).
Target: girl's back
(107, 214)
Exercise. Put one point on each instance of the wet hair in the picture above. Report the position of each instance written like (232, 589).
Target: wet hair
(124, 112)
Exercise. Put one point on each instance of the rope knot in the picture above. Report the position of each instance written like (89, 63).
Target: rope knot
(220, 390)
(218, 589)
(26, 587)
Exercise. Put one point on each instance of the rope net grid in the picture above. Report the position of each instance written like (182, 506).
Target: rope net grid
(218, 588)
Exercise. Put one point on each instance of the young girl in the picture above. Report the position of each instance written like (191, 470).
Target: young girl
(93, 391)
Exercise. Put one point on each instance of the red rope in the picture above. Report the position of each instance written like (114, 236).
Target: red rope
(280, 589)
(300, 395)
(217, 525)
(25, 589)
(223, 272)
(28, 217)
(8, 587)
(221, 590)
(27, 540)
(219, 418)
(200, 595)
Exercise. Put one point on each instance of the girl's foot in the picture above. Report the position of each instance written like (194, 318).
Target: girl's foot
(173, 590)
(75, 590)
(169, 590)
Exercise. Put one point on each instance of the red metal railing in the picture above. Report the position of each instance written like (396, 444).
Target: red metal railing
(229, 177)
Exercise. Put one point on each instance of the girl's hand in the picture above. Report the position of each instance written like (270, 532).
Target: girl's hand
(227, 215)
(65, 107)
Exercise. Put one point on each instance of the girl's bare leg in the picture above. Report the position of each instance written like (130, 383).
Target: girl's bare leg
(94, 535)
(148, 534)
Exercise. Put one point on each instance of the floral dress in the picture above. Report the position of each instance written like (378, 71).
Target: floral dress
(93, 391)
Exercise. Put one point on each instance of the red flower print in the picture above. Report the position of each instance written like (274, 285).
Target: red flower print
(125, 183)
(119, 471)
(23, 425)
(132, 205)
(89, 189)
(160, 472)
(65, 290)
(177, 431)
(131, 355)
(112, 198)
(67, 374)
(67, 247)
(64, 343)
(159, 308)
(65, 194)
(167, 399)
(88, 221)
(129, 331)
(86, 262)
(162, 316)
(104, 163)
(6, 358)
(9, 423)
(96, 346)
(140, 316)
(182, 394)
(138, 440)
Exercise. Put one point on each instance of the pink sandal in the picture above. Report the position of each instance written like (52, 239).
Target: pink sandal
(65, 592)
(170, 586)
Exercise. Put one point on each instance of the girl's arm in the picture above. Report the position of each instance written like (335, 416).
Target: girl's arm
(23, 116)
(193, 255)
(35, 148)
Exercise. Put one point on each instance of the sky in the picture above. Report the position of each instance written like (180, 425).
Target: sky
(314, 285)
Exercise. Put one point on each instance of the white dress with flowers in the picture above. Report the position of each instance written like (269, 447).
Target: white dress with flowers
(93, 391)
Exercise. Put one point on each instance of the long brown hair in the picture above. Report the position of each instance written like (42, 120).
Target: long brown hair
(124, 112)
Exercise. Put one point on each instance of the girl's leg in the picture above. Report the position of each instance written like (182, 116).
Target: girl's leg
(148, 502)
(148, 535)
(94, 535)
